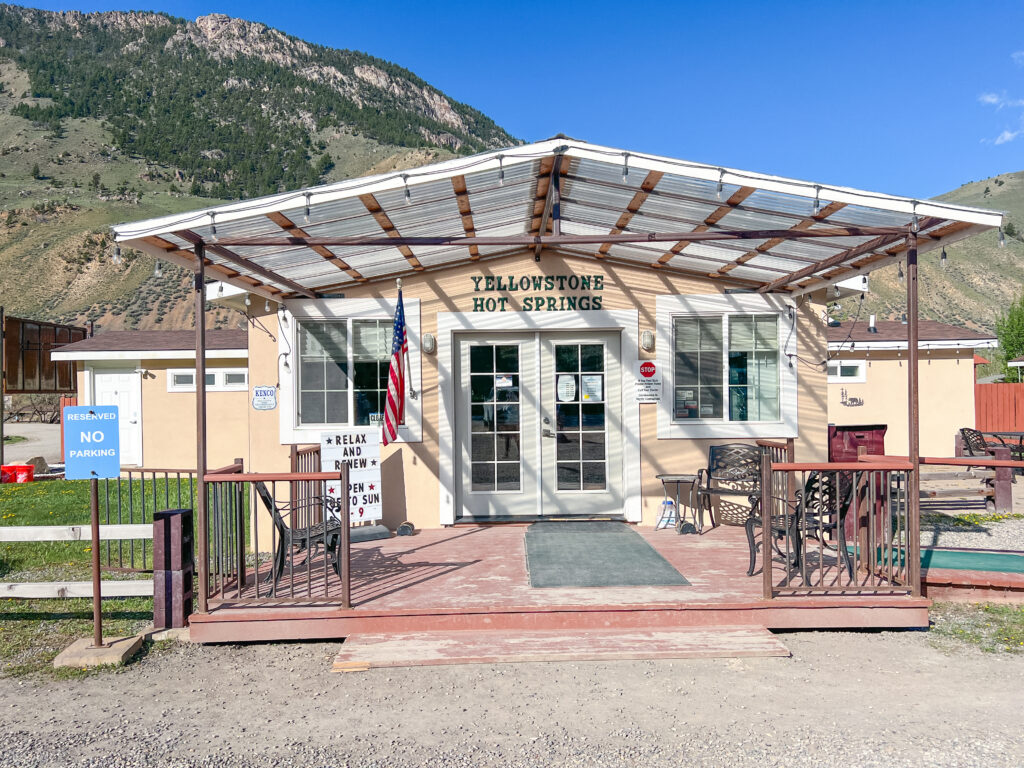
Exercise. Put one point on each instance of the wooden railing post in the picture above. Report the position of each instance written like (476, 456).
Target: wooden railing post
(1003, 484)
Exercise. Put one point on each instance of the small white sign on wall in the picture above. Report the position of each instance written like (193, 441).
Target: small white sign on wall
(359, 449)
(264, 398)
(647, 381)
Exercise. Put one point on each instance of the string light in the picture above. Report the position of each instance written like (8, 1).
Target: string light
(408, 193)
(158, 270)
(116, 258)
(721, 175)
(899, 274)
(220, 289)
(248, 301)
(501, 170)
(306, 215)
(817, 199)
(1002, 238)
(943, 261)
(625, 165)
(266, 306)
(213, 227)
(913, 218)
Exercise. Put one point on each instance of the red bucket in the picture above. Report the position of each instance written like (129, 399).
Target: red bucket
(17, 473)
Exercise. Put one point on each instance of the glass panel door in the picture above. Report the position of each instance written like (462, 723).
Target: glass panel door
(581, 415)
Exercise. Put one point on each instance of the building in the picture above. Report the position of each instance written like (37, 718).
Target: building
(536, 280)
(150, 376)
(867, 363)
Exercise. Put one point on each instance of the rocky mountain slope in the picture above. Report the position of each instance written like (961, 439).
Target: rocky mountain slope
(110, 117)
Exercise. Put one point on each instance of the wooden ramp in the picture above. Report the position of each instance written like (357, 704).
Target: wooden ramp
(362, 652)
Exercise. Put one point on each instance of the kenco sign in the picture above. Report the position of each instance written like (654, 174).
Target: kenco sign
(537, 293)
(647, 381)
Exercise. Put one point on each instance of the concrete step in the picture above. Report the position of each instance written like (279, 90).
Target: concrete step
(413, 649)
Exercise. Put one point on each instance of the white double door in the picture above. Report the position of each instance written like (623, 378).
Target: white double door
(122, 387)
(539, 424)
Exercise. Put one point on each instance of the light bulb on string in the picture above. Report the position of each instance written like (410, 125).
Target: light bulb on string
(116, 258)
(220, 289)
(817, 200)
(305, 216)
(501, 170)
(213, 229)
(1002, 238)
(899, 273)
(408, 193)
(248, 300)
(625, 165)
(158, 270)
(943, 261)
(721, 175)
(266, 305)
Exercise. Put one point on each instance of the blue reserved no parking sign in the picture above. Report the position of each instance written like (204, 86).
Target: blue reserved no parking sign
(92, 447)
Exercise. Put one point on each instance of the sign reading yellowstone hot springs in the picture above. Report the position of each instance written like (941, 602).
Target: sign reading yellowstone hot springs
(359, 450)
(537, 293)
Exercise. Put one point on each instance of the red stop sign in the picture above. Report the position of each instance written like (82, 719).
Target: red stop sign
(647, 369)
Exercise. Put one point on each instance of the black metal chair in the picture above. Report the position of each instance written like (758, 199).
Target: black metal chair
(976, 444)
(818, 512)
(304, 538)
(733, 471)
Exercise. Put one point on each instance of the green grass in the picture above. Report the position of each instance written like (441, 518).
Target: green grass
(989, 627)
(33, 632)
(970, 519)
(12, 439)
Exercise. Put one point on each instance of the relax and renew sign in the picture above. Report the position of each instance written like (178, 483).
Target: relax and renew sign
(359, 449)
(91, 442)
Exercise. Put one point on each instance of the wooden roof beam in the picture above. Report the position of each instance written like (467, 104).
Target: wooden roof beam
(466, 212)
(639, 198)
(389, 228)
(552, 203)
(713, 218)
(802, 225)
(842, 258)
(241, 261)
(222, 273)
(294, 230)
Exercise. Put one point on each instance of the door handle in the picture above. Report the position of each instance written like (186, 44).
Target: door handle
(547, 433)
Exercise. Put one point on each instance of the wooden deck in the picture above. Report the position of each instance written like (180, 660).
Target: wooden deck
(475, 578)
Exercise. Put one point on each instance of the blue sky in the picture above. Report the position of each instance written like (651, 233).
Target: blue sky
(911, 98)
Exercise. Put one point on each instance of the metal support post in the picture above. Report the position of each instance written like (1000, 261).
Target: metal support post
(914, 413)
(97, 602)
(202, 529)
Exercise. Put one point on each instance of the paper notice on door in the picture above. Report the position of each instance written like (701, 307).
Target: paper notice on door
(566, 387)
(502, 381)
(590, 387)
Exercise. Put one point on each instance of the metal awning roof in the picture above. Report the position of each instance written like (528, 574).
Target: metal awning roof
(748, 230)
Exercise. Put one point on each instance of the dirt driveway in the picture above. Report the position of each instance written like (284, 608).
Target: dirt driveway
(849, 699)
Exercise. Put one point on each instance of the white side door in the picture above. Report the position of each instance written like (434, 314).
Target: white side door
(122, 387)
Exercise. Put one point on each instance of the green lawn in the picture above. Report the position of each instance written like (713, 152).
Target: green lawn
(12, 439)
(32, 632)
(992, 628)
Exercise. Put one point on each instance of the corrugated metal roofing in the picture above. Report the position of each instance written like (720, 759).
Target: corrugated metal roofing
(603, 190)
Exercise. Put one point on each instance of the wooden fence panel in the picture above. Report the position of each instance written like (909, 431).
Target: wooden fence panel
(999, 407)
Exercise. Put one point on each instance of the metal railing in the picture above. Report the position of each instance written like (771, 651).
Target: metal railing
(298, 527)
(838, 528)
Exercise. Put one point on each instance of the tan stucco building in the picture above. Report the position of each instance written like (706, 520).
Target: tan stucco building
(867, 378)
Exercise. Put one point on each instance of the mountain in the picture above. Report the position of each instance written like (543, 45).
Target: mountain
(110, 117)
(980, 278)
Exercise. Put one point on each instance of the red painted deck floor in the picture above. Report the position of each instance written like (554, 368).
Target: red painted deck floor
(475, 578)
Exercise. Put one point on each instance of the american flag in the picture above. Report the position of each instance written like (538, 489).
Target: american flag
(394, 411)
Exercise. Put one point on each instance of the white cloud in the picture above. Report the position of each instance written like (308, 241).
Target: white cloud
(989, 98)
(1006, 137)
(1018, 58)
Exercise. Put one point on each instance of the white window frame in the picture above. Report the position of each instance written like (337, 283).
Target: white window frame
(338, 310)
(218, 385)
(859, 378)
(718, 305)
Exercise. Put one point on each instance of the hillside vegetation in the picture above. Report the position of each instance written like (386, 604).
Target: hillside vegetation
(113, 117)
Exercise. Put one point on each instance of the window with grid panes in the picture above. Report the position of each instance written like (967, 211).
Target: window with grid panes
(343, 370)
(495, 458)
(726, 367)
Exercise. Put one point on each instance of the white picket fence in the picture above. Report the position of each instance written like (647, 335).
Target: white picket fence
(47, 589)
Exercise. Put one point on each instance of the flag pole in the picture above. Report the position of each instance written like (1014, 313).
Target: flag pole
(408, 367)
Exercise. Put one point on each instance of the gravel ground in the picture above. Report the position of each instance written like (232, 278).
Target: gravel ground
(996, 534)
(856, 699)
